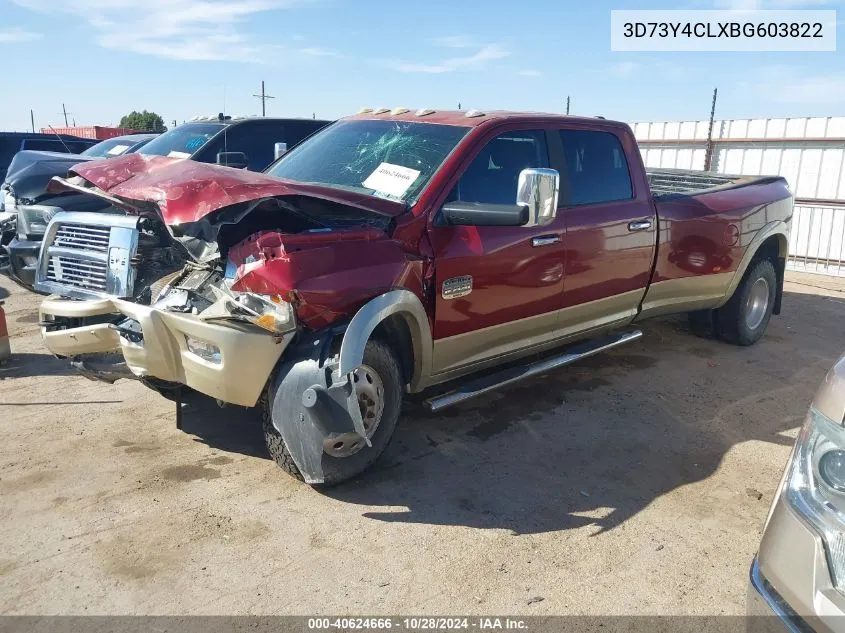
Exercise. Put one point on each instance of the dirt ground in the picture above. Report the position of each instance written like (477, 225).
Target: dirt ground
(635, 482)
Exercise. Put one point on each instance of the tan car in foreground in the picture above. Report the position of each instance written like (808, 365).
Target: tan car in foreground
(799, 572)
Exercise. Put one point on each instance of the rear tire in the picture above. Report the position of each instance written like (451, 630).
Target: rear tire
(380, 360)
(744, 318)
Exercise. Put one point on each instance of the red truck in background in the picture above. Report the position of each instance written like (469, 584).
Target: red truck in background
(398, 252)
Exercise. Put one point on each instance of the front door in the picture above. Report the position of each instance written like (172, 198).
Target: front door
(498, 288)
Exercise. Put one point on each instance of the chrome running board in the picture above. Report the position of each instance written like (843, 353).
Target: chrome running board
(478, 386)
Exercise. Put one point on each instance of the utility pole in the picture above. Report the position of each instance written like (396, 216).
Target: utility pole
(64, 111)
(263, 96)
(32, 119)
(708, 154)
(567, 104)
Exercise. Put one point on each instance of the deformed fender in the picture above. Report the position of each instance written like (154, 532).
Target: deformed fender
(403, 303)
(308, 406)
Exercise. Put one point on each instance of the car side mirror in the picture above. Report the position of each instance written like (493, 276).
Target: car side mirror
(238, 160)
(279, 150)
(538, 189)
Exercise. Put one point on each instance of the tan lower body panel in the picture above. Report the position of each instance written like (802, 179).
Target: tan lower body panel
(686, 294)
(465, 353)
(247, 356)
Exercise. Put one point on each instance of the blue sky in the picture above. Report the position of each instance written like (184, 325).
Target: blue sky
(180, 58)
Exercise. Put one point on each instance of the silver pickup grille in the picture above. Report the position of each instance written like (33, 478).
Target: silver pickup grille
(77, 273)
(88, 255)
(83, 237)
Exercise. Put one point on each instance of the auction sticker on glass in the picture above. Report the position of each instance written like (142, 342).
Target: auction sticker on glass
(391, 180)
(723, 30)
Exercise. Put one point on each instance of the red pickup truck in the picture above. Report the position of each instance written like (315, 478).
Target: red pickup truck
(396, 252)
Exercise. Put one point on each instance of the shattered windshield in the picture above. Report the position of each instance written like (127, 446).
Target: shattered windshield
(182, 141)
(389, 159)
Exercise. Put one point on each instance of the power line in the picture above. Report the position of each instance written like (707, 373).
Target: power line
(263, 98)
(65, 112)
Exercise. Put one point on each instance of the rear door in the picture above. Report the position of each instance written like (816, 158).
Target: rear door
(611, 227)
(498, 288)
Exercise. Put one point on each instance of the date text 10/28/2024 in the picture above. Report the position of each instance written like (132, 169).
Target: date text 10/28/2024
(418, 623)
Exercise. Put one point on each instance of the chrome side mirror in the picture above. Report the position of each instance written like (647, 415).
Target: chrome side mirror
(538, 189)
(279, 150)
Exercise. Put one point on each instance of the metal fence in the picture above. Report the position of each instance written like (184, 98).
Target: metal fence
(808, 152)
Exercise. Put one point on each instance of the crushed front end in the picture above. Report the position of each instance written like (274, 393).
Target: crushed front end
(125, 286)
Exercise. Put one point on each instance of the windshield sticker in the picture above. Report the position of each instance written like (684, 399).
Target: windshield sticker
(196, 142)
(391, 180)
(175, 154)
(117, 150)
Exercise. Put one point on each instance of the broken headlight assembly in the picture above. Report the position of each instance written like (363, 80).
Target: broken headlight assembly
(33, 220)
(269, 312)
(815, 486)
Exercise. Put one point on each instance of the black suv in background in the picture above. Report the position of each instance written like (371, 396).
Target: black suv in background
(13, 142)
(247, 143)
(244, 143)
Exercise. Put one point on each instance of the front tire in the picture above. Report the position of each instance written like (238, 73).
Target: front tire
(744, 318)
(379, 387)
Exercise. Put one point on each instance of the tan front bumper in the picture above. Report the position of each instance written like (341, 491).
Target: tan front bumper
(247, 356)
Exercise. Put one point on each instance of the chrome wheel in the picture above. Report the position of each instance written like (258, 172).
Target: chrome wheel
(757, 304)
(369, 389)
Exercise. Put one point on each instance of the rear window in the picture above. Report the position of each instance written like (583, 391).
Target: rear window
(182, 141)
(596, 167)
(46, 145)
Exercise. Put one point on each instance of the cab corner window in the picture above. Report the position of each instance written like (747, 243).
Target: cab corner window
(493, 175)
(596, 167)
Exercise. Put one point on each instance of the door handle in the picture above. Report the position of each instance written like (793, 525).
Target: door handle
(545, 240)
(639, 225)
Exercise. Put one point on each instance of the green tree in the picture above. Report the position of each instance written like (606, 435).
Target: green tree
(143, 121)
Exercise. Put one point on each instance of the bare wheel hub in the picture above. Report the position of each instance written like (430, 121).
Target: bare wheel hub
(757, 303)
(370, 392)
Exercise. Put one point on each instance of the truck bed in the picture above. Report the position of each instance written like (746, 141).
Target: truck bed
(673, 182)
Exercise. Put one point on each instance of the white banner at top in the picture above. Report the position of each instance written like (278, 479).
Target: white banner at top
(723, 31)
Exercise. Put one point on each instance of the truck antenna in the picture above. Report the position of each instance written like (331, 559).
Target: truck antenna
(58, 136)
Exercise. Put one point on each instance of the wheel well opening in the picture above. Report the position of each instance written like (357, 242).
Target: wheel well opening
(395, 332)
(774, 248)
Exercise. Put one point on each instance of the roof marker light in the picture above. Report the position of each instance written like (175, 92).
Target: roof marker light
(381, 110)
(471, 114)
(424, 112)
(364, 110)
(400, 110)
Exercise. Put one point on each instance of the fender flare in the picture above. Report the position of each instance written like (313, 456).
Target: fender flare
(405, 304)
(778, 227)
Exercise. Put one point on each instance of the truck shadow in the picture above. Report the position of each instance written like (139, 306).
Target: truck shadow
(594, 444)
(232, 428)
(23, 364)
(588, 445)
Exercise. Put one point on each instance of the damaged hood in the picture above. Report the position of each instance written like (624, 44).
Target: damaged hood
(30, 171)
(187, 191)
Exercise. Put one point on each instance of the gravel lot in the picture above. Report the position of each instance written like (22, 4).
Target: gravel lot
(635, 482)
